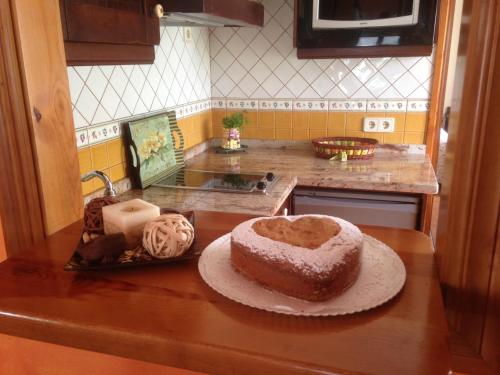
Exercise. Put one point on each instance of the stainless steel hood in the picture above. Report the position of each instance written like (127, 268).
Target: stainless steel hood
(213, 13)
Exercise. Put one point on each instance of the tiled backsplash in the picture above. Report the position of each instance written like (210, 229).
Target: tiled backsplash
(104, 96)
(109, 156)
(249, 69)
(262, 63)
(308, 119)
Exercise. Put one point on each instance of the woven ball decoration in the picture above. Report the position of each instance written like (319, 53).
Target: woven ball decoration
(92, 221)
(168, 236)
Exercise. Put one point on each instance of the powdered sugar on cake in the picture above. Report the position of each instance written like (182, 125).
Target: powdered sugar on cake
(316, 261)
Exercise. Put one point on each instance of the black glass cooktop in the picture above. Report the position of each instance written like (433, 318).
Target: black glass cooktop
(219, 181)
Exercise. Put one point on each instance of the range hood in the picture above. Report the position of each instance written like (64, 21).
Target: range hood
(213, 13)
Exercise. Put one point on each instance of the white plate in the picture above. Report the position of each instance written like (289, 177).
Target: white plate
(381, 277)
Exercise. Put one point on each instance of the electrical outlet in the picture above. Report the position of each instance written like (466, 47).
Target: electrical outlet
(188, 35)
(372, 124)
(379, 124)
(387, 125)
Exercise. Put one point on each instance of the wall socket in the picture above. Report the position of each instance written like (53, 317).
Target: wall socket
(188, 35)
(379, 124)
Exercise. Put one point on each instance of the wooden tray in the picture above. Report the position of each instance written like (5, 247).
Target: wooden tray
(155, 148)
(134, 257)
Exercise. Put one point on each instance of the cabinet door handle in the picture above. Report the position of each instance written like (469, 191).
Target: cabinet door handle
(158, 10)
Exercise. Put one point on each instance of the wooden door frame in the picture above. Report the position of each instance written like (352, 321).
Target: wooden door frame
(3, 250)
(40, 192)
(468, 223)
(20, 205)
(436, 111)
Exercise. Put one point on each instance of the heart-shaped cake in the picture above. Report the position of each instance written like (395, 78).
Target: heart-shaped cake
(312, 257)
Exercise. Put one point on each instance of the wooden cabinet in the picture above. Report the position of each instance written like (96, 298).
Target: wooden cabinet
(286, 207)
(109, 31)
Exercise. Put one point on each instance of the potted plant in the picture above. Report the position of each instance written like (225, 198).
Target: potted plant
(232, 126)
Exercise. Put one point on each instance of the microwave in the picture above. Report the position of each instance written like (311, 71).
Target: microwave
(364, 28)
(350, 14)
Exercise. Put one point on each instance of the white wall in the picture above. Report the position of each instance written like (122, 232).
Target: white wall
(255, 63)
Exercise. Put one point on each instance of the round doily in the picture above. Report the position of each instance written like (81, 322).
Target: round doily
(382, 276)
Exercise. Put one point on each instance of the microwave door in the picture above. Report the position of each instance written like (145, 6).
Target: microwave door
(352, 14)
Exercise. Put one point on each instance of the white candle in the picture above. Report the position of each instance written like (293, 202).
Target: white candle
(129, 218)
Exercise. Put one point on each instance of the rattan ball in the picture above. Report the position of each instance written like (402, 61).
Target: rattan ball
(168, 236)
(92, 221)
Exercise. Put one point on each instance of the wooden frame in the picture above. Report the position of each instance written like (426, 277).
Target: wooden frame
(48, 105)
(41, 192)
(468, 233)
(442, 58)
(20, 202)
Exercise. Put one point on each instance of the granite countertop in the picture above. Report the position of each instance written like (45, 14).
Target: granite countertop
(392, 170)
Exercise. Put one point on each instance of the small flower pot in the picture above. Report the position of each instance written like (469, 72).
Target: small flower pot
(231, 140)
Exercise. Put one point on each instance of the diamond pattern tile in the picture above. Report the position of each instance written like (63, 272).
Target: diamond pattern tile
(179, 75)
(267, 53)
(238, 63)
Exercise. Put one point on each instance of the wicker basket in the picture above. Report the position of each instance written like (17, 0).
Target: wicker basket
(355, 148)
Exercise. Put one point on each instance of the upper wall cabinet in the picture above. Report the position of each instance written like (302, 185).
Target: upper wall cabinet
(99, 32)
(364, 28)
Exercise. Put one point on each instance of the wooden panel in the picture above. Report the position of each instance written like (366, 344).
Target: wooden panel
(441, 61)
(488, 207)
(3, 250)
(107, 54)
(41, 55)
(462, 365)
(94, 23)
(491, 341)
(189, 325)
(469, 199)
(20, 208)
(22, 356)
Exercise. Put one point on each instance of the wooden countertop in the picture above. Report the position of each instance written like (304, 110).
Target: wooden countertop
(168, 315)
(389, 171)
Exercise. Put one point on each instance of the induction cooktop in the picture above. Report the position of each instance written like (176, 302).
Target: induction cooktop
(219, 181)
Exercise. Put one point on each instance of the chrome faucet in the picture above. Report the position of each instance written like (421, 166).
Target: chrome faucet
(109, 188)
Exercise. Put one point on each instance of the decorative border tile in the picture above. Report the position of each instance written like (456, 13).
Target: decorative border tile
(275, 105)
(82, 138)
(218, 103)
(190, 109)
(242, 104)
(103, 133)
(347, 105)
(418, 105)
(402, 105)
(386, 106)
(310, 105)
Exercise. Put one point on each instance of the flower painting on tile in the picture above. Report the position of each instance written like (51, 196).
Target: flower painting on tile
(154, 146)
